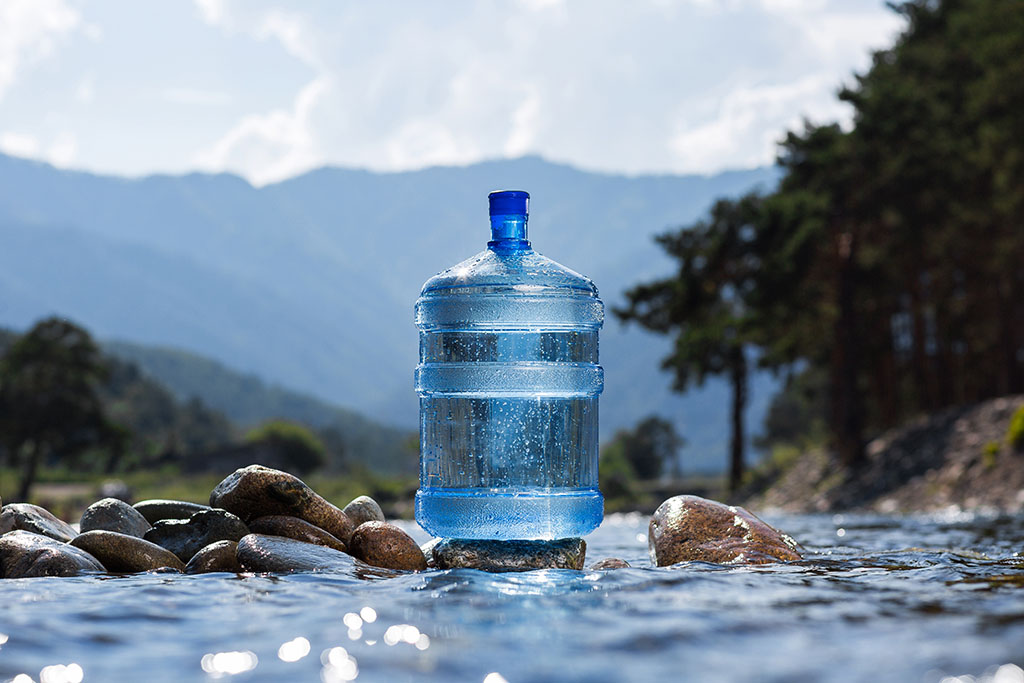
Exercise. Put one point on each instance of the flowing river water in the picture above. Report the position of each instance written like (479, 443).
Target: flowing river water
(919, 598)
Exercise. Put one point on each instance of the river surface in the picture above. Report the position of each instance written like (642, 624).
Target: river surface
(929, 598)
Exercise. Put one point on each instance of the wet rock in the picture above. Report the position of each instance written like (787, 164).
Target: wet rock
(510, 556)
(610, 563)
(293, 527)
(221, 556)
(259, 553)
(24, 554)
(385, 545)
(257, 491)
(428, 551)
(186, 537)
(363, 509)
(690, 528)
(157, 509)
(124, 553)
(111, 514)
(28, 517)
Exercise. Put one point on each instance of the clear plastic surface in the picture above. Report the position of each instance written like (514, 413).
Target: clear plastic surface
(508, 382)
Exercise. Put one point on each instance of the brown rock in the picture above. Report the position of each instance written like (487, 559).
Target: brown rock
(28, 517)
(510, 556)
(157, 509)
(610, 563)
(690, 528)
(221, 556)
(111, 514)
(385, 545)
(124, 553)
(258, 553)
(293, 527)
(24, 554)
(363, 509)
(257, 491)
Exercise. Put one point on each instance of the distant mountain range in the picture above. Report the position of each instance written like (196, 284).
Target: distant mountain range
(310, 283)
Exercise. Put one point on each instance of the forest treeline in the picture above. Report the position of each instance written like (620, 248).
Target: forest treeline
(885, 273)
(65, 404)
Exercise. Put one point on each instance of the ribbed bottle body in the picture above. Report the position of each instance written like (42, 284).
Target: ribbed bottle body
(508, 383)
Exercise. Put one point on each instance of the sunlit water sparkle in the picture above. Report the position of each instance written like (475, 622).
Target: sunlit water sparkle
(929, 599)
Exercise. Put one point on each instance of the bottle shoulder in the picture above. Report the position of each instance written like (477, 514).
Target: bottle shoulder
(520, 271)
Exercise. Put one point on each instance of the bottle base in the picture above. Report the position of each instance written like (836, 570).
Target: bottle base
(521, 514)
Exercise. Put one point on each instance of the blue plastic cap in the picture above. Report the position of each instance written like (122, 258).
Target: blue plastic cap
(509, 202)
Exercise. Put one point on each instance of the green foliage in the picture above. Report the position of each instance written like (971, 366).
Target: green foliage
(650, 447)
(1015, 432)
(707, 305)
(798, 413)
(989, 454)
(616, 476)
(297, 446)
(888, 259)
(49, 405)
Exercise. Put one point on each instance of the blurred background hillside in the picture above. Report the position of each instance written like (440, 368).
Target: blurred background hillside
(806, 218)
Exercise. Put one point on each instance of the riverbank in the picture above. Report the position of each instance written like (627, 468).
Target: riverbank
(957, 458)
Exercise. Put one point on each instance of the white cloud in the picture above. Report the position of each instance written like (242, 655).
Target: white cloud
(524, 126)
(272, 146)
(18, 144)
(749, 121)
(30, 31)
(63, 150)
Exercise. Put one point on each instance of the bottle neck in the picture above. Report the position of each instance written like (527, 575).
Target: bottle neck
(508, 231)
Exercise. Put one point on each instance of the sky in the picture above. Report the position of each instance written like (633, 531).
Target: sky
(269, 90)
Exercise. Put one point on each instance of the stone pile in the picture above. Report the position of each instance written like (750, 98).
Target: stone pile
(265, 520)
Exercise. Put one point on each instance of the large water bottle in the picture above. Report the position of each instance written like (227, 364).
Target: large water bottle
(508, 382)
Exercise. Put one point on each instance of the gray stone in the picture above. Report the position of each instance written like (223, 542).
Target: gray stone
(186, 537)
(221, 556)
(293, 527)
(363, 509)
(24, 554)
(385, 545)
(510, 556)
(257, 491)
(111, 514)
(690, 528)
(28, 517)
(258, 553)
(610, 563)
(124, 553)
(157, 509)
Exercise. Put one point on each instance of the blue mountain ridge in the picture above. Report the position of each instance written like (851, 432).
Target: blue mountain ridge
(309, 283)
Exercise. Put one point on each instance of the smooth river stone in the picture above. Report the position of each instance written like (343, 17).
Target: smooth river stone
(126, 554)
(690, 528)
(362, 510)
(385, 545)
(221, 556)
(257, 491)
(186, 537)
(293, 527)
(259, 553)
(28, 517)
(111, 514)
(157, 509)
(24, 554)
(610, 563)
(510, 556)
